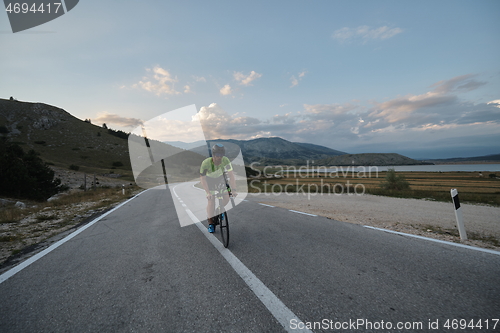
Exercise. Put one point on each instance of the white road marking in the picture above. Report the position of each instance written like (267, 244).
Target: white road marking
(277, 308)
(54, 246)
(265, 205)
(435, 240)
(295, 211)
(194, 186)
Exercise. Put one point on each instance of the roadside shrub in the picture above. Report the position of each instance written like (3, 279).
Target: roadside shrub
(119, 134)
(25, 175)
(117, 164)
(74, 167)
(394, 181)
(251, 172)
(492, 175)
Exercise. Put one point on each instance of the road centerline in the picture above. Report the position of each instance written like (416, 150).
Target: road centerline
(277, 308)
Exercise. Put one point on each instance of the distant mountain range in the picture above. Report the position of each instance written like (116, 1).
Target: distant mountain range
(277, 151)
(370, 159)
(266, 151)
(477, 159)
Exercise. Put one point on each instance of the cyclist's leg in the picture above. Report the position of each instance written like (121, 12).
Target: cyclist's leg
(211, 207)
(211, 201)
(225, 199)
(210, 214)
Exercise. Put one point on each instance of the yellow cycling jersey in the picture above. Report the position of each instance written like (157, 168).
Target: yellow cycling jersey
(209, 169)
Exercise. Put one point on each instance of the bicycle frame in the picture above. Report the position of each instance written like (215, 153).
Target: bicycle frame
(220, 217)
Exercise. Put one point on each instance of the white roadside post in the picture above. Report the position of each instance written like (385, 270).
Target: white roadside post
(458, 214)
(123, 189)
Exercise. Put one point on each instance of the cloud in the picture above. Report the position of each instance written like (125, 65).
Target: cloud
(199, 79)
(329, 111)
(245, 80)
(460, 83)
(288, 118)
(495, 103)
(399, 109)
(108, 118)
(165, 128)
(226, 90)
(218, 124)
(365, 33)
(413, 120)
(440, 103)
(295, 81)
(187, 89)
(159, 81)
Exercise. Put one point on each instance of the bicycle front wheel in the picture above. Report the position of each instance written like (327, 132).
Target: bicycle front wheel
(224, 229)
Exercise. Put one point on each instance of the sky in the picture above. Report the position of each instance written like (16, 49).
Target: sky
(418, 78)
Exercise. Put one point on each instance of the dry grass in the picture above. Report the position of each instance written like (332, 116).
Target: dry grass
(21, 228)
(100, 196)
(431, 185)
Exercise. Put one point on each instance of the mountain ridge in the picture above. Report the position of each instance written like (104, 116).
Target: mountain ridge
(278, 151)
(260, 149)
(493, 158)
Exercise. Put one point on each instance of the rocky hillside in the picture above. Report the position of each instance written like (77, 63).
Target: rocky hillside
(60, 138)
(67, 142)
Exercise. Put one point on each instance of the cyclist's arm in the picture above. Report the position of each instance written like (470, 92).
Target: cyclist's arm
(232, 182)
(204, 184)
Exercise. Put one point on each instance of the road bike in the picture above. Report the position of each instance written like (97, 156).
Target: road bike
(220, 219)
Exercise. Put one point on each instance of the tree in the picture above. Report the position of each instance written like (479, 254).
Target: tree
(25, 175)
(104, 126)
(394, 181)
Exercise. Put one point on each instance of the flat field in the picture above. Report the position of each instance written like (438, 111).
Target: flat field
(472, 187)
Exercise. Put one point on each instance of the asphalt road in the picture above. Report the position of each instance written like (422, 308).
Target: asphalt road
(138, 270)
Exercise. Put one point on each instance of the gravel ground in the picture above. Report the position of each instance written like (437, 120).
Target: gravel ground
(42, 224)
(75, 179)
(419, 217)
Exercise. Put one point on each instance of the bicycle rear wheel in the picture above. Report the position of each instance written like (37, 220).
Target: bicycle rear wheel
(224, 228)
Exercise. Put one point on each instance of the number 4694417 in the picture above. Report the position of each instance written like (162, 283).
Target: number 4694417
(24, 8)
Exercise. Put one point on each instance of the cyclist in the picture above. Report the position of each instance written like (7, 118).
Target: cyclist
(211, 171)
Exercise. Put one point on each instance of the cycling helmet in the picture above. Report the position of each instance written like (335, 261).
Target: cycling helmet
(218, 149)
